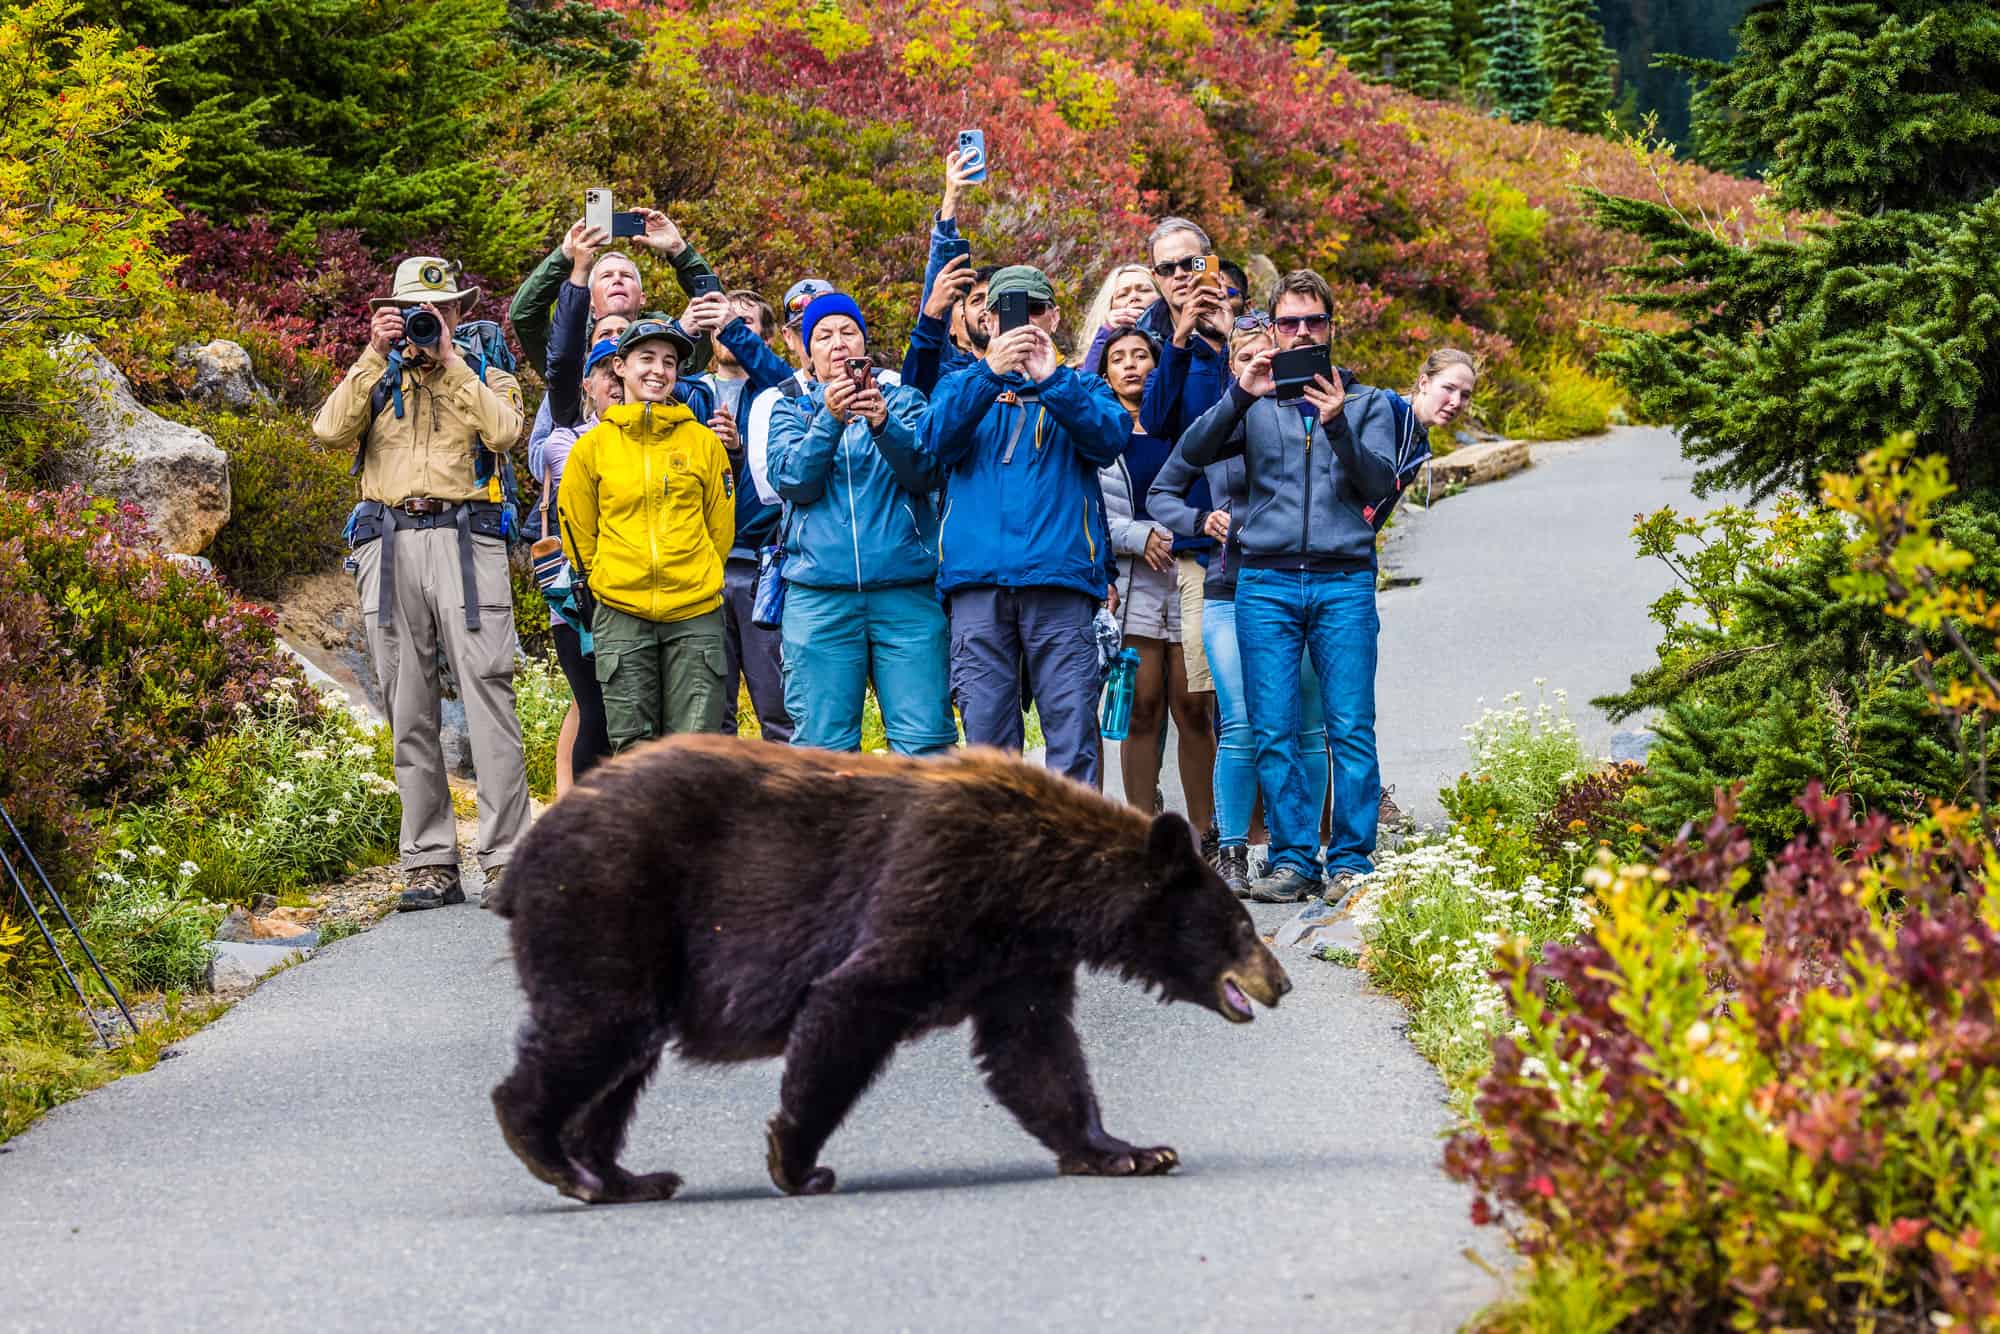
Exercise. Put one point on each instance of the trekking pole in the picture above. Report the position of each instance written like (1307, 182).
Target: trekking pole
(61, 962)
(69, 921)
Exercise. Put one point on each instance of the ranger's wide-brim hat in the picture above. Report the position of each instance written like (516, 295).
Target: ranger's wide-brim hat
(422, 278)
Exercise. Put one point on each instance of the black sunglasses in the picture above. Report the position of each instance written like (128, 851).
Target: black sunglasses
(1040, 307)
(1187, 264)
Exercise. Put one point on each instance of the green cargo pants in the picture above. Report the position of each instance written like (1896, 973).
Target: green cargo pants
(658, 676)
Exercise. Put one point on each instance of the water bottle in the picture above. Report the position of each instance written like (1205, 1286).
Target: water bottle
(1118, 691)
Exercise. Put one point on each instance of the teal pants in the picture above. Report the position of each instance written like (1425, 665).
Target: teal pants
(838, 640)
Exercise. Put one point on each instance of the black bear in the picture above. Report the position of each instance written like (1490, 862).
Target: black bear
(659, 901)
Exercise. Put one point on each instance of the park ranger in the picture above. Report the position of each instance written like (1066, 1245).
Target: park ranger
(429, 559)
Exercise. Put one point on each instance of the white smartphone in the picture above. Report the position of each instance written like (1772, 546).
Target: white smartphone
(597, 209)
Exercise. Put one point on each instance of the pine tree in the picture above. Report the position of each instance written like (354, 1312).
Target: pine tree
(1576, 63)
(331, 112)
(1512, 81)
(1406, 43)
(1797, 356)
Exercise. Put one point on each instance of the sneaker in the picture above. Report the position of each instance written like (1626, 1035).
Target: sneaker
(1211, 847)
(1338, 886)
(1389, 815)
(1284, 885)
(1234, 865)
(431, 887)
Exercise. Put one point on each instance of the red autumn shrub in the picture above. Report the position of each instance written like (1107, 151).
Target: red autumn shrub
(1782, 1112)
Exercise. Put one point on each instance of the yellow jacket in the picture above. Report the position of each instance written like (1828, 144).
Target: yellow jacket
(428, 450)
(648, 507)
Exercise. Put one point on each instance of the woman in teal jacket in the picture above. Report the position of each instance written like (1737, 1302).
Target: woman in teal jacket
(860, 539)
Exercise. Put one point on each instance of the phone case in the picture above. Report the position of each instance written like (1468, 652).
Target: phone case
(1012, 310)
(974, 143)
(597, 209)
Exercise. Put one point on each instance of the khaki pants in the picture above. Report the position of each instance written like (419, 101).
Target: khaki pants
(1192, 652)
(659, 677)
(430, 616)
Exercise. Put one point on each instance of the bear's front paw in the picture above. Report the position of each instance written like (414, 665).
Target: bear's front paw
(1126, 1161)
(794, 1179)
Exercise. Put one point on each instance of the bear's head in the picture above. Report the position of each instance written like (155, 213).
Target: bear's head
(1194, 940)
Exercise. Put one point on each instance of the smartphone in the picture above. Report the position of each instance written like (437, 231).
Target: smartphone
(1011, 309)
(628, 224)
(972, 143)
(703, 285)
(597, 209)
(860, 370)
(953, 248)
(1295, 368)
(1208, 273)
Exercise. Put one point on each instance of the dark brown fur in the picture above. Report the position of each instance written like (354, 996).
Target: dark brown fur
(743, 900)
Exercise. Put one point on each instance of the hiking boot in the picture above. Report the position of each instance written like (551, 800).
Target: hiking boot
(1284, 885)
(1211, 847)
(1388, 814)
(1338, 886)
(431, 887)
(491, 899)
(1234, 866)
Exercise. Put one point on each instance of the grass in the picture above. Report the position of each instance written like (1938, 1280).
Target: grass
(49, 1056)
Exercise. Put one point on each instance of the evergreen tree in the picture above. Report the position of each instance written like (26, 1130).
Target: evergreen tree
(1576, 64)
(332, 112)
(571, 34)
(1407, 43)
(1797, 356)
(1512, 81)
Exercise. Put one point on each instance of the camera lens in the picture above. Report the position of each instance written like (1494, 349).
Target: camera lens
(422, 328)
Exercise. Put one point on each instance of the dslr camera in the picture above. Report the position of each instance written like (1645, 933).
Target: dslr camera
(422, 329)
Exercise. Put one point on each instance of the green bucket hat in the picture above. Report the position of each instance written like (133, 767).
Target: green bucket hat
(1020, 278)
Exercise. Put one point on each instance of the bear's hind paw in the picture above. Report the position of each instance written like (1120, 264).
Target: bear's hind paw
(1128, 1161)
(817, 1181)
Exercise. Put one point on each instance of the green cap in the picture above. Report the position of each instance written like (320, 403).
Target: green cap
(1020, 278)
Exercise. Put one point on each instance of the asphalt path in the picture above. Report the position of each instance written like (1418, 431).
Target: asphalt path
(325, 1154)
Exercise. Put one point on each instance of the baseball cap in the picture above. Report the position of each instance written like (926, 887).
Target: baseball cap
(800, 294)
(650, 327)
(604, 347)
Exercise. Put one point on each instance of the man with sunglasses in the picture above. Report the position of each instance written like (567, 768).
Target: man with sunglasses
(1019, 437)
(1313, 466)
(1191, 322)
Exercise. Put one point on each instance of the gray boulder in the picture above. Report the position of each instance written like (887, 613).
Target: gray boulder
(223, 376)
(173, 473)
(234, 965)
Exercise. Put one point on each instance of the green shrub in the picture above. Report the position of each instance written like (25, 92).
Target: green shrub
(146, 922)
(541, 700)
(1521, 759)
(289, 498)
(288, 799)
(1571, 402)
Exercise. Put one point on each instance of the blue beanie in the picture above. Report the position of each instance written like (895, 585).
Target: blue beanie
(604, 347)
(833, 303)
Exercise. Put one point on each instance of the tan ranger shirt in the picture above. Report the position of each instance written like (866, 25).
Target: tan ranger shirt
(428, 450)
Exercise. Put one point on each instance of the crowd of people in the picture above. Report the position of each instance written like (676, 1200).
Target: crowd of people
(982, 530)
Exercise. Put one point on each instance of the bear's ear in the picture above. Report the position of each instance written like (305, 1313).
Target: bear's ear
(1170, 845)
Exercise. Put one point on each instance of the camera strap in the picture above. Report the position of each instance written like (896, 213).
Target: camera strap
(1023, 401)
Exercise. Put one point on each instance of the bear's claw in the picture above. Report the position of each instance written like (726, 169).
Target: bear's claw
(1127, 1162)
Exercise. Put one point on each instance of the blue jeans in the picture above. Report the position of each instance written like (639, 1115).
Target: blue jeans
(1332, 617)
(1235, 755)
(837, 640)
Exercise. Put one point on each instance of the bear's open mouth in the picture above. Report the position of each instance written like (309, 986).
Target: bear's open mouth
(1235, 1005)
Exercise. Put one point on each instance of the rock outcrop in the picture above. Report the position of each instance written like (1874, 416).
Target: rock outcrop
(223, 377)
(173, 473)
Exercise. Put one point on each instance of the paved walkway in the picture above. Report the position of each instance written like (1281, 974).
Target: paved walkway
(325, 1154)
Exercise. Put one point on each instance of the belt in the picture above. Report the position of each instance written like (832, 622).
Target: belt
(422, 512)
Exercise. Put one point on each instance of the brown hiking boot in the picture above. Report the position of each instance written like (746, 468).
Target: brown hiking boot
(1234, 866)
(1389, 815)
(431, 887)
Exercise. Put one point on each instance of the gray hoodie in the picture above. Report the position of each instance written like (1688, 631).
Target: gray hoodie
(1310, 487)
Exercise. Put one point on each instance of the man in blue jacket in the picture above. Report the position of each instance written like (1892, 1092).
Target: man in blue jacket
(1317, 469)
(1019, 438)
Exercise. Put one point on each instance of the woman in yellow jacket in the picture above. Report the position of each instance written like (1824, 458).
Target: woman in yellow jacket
(648, 507)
